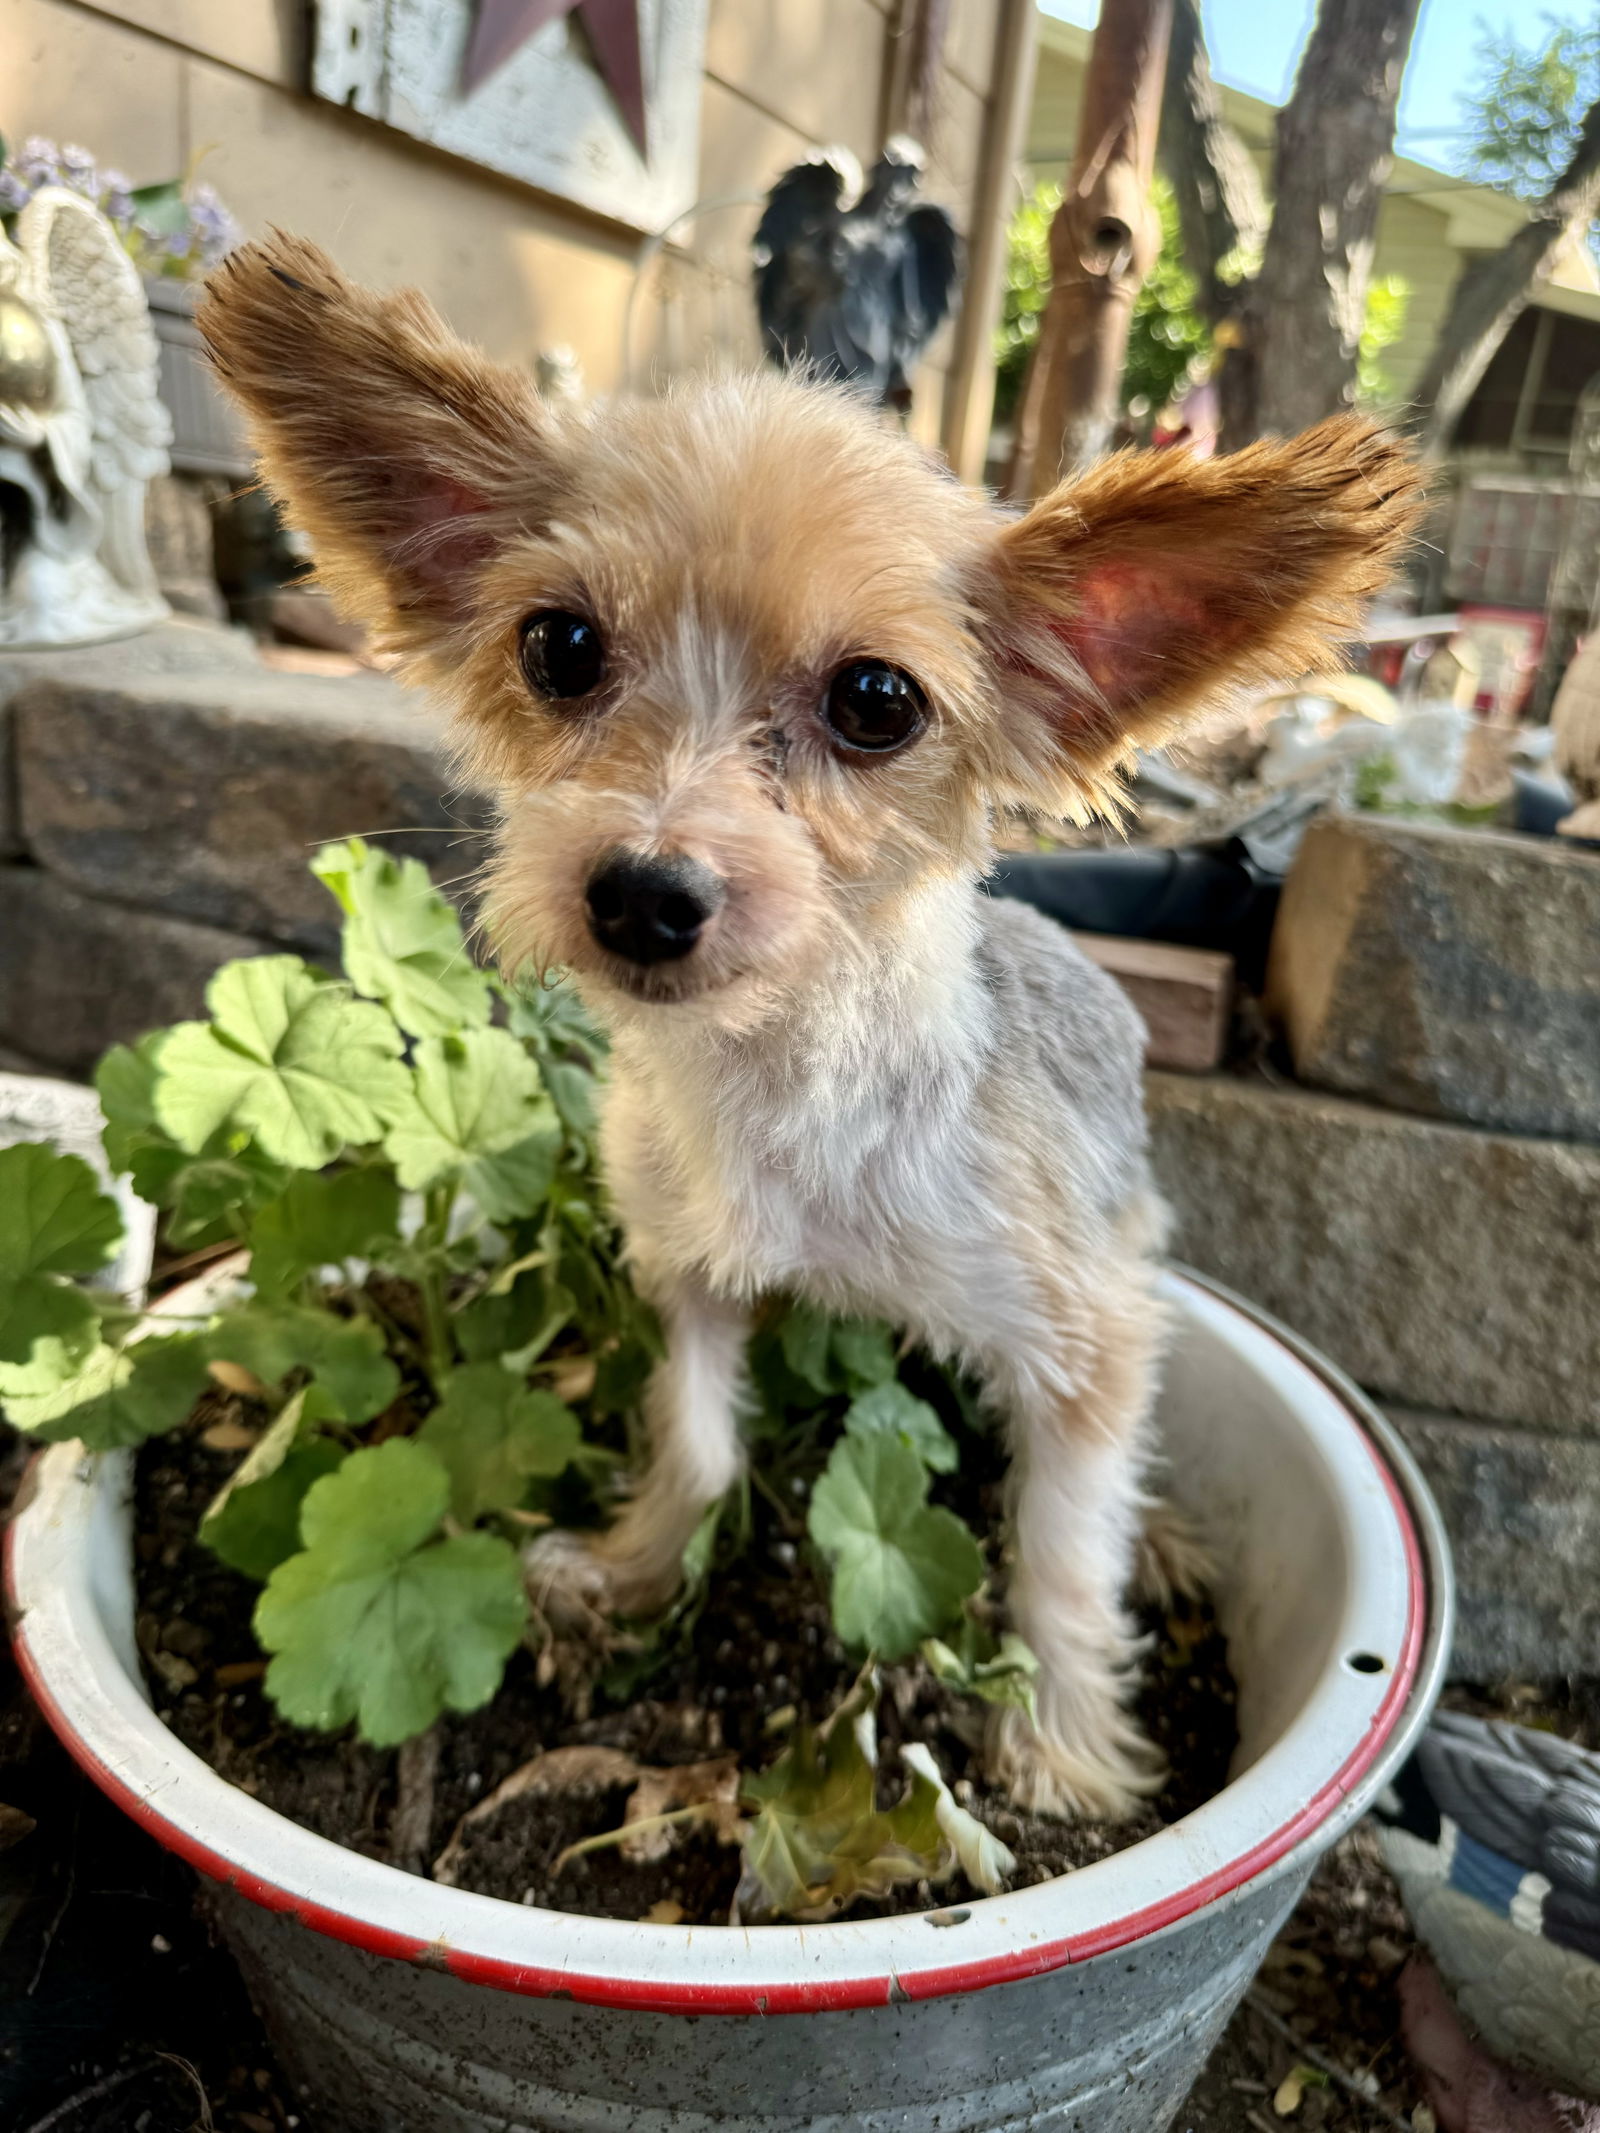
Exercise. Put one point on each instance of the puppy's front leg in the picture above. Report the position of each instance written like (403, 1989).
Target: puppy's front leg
(691, 1410)
(1077, 1429)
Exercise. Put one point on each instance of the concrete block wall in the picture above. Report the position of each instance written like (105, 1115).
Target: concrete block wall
(159, 802)
(1434, 1226)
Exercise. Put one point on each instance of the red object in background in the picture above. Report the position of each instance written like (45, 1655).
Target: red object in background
(1392, 643)
(1510, 642)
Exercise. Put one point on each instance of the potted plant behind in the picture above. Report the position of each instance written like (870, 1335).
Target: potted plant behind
(434, 1349)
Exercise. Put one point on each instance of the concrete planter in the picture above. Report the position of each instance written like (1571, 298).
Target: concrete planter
(207, 434)
(1087, 2003)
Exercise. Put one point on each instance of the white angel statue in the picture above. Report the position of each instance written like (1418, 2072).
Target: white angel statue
(82, 430)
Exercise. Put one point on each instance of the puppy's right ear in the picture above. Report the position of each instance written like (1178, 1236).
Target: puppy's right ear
(404, 455)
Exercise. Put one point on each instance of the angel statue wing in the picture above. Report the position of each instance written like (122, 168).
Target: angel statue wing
(82, 278)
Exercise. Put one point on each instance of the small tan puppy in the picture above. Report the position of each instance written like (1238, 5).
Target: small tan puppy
(752, 677)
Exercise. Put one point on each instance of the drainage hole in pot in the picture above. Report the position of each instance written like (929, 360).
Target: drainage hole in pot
(947, 1918)
(1366, 1663)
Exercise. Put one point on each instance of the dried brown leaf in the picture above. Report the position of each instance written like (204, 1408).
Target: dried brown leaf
(557, 1771)
(227, 1435)
(233, 1377)
(712, 1786)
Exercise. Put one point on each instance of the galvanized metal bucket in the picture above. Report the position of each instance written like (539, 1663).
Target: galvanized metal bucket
(1087, 2005)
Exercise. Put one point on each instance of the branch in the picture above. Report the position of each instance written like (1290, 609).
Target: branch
(1221, 205)
(1492, 293)
(1335, 150)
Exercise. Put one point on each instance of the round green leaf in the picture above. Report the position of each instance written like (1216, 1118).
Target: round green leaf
(893, 1409)
(319, 1221)
(379, 1621)
(901, 1568)
(54, 1221)
(291, 1057)
(345, 1356)
(494, 1436)
(477, 1114)
(120, 1396)
(402, 942)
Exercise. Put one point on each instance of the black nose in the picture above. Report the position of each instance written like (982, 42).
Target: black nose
(651, 909)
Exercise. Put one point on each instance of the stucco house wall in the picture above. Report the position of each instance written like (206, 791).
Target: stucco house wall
(149, 84)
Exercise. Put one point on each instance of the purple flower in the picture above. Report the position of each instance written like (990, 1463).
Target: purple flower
(207, 235)
(215, 228)
(116, 198)
(38, 162)
(78, 170)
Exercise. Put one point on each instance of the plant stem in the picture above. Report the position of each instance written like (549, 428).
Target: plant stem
(416, 1773)
(785, 1517)
(436, 1313)
(697, 1813)
(385, 1320)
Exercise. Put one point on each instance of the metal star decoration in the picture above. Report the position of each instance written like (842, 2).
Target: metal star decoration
(503, 27)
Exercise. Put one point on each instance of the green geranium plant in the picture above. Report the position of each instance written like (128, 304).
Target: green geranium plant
(443, 1352)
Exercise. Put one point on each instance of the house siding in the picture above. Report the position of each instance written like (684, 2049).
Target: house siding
(147, 84)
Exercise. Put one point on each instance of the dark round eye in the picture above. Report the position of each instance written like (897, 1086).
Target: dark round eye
(562, 654)
(871, 705)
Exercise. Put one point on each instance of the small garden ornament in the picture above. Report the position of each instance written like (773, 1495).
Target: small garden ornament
(1493, 1833)
(82, 429)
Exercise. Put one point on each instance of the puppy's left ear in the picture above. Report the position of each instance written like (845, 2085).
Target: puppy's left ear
(404, 454)
(1153, 587)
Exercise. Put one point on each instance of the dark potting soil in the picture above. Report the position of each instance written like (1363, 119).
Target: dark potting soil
(762, 1645)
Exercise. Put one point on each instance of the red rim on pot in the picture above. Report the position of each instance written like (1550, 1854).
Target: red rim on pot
(1371, 1685)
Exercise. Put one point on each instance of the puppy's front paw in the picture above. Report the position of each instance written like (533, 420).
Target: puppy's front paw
(569, 1584)
(577, 1583)
(1101, 1775)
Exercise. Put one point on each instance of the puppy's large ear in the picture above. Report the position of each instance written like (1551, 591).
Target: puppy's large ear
(1157, 584)
(401, 452)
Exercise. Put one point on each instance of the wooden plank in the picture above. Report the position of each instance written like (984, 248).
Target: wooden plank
(1184, 995)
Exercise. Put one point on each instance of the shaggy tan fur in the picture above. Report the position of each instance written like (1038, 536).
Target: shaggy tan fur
(867, 1084)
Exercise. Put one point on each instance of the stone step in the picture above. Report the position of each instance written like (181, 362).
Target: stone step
(78, 974)
(179, 774)
(1522, 1508)
(1453, 972)
(1443, 1268)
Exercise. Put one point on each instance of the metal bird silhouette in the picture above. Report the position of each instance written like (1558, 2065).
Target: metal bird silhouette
(855, 280)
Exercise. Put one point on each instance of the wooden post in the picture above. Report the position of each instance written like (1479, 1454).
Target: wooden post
(1103, 242)
(969, 394)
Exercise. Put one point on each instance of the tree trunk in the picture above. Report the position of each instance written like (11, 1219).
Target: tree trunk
(1492, 292)
(1221, 206)
(1302, 317)
(1103, 242)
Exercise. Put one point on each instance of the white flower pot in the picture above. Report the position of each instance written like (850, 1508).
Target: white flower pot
(1089, 2003)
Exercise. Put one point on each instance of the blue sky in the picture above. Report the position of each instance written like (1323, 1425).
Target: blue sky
(1255, 44)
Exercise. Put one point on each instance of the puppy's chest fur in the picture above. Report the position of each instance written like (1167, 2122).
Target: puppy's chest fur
(825, 1157)
(915, 1135)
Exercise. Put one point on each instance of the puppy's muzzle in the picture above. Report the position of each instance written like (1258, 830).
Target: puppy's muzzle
(651, 908)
